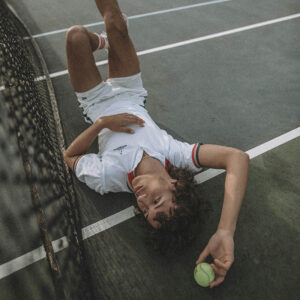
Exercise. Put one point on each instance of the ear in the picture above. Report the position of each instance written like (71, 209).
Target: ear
(173, 181)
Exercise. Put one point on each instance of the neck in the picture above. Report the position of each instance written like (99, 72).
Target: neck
(150, 165)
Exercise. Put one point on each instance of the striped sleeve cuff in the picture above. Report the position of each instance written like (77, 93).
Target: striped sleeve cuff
(75, 163)
(195, 155)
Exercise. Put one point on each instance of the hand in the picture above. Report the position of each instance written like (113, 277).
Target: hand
(119, 121)
(221, 248)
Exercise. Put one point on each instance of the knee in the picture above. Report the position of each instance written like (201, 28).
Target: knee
(75, 34)
(115, 24)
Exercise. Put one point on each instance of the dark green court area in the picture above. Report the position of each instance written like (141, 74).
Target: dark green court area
(266, 245)
(240, 90)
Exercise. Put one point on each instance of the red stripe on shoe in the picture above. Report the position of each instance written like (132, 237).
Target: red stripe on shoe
(102, 42)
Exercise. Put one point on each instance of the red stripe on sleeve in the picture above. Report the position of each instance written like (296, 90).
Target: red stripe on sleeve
(167, 162)
(193, 155)
(130, 177)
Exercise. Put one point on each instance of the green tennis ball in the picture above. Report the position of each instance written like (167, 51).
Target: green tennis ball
(204, 274)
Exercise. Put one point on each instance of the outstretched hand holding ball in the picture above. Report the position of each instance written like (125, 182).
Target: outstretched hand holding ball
(221, 248)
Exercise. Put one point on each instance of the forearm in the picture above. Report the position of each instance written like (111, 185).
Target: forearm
(84, 141)
(235, 187)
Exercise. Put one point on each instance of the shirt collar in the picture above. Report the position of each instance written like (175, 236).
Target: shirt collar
(131, 175)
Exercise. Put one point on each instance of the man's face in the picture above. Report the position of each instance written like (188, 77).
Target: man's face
(154, 194)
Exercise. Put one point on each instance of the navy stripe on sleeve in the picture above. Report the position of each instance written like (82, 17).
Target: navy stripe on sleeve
(197, 150)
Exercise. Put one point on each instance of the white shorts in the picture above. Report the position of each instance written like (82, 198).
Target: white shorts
(96, 100)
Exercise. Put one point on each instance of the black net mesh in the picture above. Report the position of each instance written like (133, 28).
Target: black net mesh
(37, 198)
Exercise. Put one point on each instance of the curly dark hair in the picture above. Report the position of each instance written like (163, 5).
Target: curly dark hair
(182, 228)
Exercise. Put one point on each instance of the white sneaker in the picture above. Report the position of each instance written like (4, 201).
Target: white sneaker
(103, 41)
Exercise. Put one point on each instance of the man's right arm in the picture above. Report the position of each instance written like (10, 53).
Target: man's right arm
(83, 142)
(221, 244)
(72, 161)
(236, 164)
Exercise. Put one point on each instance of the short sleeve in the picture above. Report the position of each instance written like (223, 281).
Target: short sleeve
(182, 154)
(90, 171)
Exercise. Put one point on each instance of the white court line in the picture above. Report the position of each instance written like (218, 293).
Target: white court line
(126, 214)
(134, 17)
(196, 40)
(31, 257)
(282, 139)
(191, 41)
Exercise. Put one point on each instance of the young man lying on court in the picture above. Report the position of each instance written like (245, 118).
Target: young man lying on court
(135, 155)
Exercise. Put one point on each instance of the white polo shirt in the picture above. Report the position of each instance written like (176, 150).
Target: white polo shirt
(112, 169)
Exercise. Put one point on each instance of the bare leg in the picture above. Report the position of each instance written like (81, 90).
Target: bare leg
(80, 44)
(83, 71)
(122, 58)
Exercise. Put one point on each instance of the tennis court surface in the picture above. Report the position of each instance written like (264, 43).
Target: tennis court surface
(222, 72)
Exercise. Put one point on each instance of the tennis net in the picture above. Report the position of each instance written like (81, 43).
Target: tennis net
(38, 201)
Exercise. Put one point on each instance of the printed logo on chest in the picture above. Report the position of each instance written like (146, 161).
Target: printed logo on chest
(120, 149)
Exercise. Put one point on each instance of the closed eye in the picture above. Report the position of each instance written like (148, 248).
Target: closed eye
(156, 200)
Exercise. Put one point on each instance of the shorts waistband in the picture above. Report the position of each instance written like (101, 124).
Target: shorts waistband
(120, 79)
(98, 86)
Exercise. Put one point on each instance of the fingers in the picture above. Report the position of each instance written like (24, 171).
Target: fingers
(128, 130)
(216, 282)
(226, 266)
(220, 270)
(203, 256)
(135, 119)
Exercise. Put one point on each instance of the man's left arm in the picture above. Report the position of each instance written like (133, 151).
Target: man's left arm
(221, 244)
